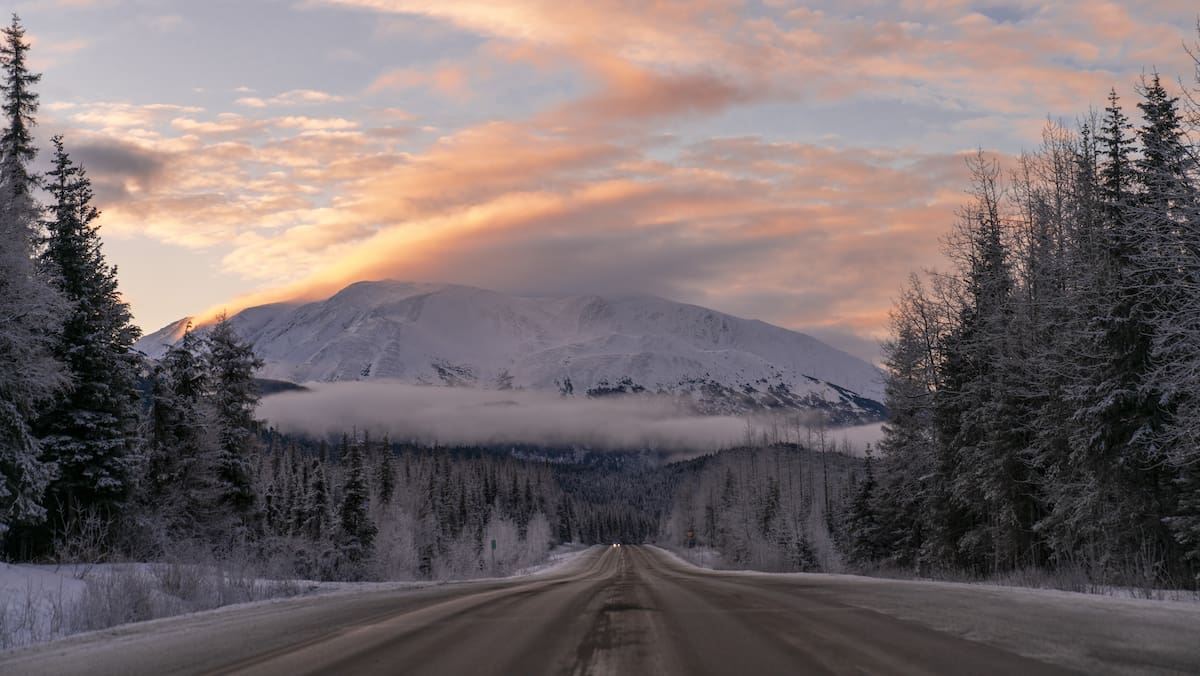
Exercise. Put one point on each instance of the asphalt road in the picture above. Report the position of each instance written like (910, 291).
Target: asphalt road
(636, 610)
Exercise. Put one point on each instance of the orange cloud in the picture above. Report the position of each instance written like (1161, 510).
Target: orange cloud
(451, 81)
(505, 207)
(616, 188)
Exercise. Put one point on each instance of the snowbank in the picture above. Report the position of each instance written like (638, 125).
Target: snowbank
(43, 602)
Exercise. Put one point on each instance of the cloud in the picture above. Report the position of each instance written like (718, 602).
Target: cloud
(451, 81)
(633, 94)
(798, 234)
(163, 23)
(708, 151)
(120, 118)
(471, 416)
(290, 99)
(118, 169)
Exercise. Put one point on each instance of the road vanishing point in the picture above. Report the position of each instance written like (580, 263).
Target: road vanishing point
(639, 610)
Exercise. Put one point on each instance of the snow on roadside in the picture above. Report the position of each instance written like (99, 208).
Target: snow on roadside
(1078, 630)
(34, 603)
(560, 557)
(710, 560)
(40, 603)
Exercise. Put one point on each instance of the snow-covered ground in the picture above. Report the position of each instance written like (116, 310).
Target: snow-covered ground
(1091, 633)
(43, 602)
(710, 559)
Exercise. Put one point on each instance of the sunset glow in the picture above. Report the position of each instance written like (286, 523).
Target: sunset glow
(788, 161)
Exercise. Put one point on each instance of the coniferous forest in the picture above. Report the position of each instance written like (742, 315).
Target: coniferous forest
(1044, 398)
(1043, 391)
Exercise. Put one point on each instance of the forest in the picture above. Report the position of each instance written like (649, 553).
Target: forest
(1043, 392)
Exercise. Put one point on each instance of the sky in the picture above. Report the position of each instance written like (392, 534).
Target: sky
(785, 161)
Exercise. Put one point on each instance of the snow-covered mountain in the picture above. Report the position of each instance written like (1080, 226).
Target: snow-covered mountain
(449, 335)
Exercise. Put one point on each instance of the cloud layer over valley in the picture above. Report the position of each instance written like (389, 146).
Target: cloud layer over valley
(469, 417)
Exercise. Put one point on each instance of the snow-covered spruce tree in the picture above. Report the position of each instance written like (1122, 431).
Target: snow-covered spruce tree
(318, 505)
(1115, 497)
(385, 474)
(862, 519)
(234, 395)
(357, 530)
(91, 430)
(178, 492)
(300, 496)
(1060, 429)
(1040, 335)
(908, 446)
(1178, 349)
(977, 465)
(1070, 336)
(1167, 267)
(30, 307)
(1089, 520)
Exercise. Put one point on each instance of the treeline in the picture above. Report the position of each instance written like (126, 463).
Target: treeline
(1045, 391)
(100, 451)
(773, 508)
(70, 409)
(367, 509)
(364, 508)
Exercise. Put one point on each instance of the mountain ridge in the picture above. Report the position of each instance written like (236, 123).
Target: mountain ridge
(583, 345)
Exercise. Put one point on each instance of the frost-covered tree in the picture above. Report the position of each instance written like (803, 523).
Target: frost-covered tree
(385, 474)
(30, 307)
(178, 491)
(863, 528)
(911, 359)
(357, 529)
(20, 105)
(1062, 380)
(977, 460)
(91, 430)
(234, 395)
(1167, 268)
(317, 510)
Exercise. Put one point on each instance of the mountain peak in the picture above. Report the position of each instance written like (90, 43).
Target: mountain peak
(589, 345)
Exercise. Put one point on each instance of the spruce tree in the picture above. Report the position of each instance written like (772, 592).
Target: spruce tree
(20, 105)
(234, 394)
(178, 489)
(386, 474)
(1167, 272)
(30, 307)
(863, 528)
(91, 431)
(317, 506)
(358, 532)
(1116, 147)
(1107, 392)
(975, 461)
(908, 453)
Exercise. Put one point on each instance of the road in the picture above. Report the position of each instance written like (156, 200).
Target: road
(637, 610)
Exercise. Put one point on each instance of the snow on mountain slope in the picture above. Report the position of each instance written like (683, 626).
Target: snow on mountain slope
(155, 344)
(435, 334)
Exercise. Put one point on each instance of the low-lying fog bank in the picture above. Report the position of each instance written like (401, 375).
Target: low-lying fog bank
(466, 416)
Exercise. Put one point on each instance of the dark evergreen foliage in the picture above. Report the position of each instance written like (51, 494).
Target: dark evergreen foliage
(234, 394)
(30, 306)
(91, 430)
(20, 106)
(1042, 417)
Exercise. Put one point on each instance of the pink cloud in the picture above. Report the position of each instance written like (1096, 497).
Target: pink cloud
(451, 81)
